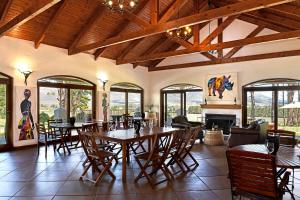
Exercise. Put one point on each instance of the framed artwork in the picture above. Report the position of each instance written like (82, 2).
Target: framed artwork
(221, 88)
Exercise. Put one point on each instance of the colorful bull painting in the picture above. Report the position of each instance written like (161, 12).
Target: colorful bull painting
(219, 84)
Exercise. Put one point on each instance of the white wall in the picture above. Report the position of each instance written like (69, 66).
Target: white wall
(48, 61)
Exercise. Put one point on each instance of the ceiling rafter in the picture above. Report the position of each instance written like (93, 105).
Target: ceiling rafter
(224, 45)
(5, 10)
(131, 46)
(50, 23)
(121, 28)
(229, 60)
(258, 22)
(97, 14)
(37, 8)
(220, 38)
(218, 30)
(135, 19)
(252, 34)
(165, 17)
(234, 9)
(154, 11)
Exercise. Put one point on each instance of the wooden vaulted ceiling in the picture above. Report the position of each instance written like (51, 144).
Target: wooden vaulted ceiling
(139, 37)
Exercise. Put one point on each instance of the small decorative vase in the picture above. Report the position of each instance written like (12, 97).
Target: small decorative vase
(72, 120)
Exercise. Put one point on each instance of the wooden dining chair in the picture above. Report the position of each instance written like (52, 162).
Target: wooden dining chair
(101, 144)
(100, 160)
(53, 132)
(287, 138)
(43, 138)
(154, 160)
(254, 175)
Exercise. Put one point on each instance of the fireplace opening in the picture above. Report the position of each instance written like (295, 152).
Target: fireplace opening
(224, 122)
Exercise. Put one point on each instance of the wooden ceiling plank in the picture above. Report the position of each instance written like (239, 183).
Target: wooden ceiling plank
(154, 11)
(287, 9)
(234, 9)
(36, 9)
(218, 30)
(131, 46)
(230, 60)
(5, 10)
(224, 45)
(135, 19)
(233, 51)
(254, 20)
(97, 14)
(50, 23)
(120, 28)
(177, 5)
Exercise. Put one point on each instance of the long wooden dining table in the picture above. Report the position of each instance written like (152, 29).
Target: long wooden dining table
(128, 136)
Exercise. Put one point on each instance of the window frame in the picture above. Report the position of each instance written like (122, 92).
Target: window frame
(8, 81)
(163, 99)
(126, 91)
(67, 86)
(275, 89)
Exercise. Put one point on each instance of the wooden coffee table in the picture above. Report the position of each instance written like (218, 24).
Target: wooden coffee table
(214, 137)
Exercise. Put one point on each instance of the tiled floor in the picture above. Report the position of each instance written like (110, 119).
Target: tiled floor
(24, 175)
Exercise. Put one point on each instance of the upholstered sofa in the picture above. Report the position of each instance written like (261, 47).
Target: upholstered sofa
(255, 133)
(182, 122)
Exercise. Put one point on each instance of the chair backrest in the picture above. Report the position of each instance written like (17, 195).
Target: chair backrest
(92, 127)
(287, 138)
(41, 130)
(252, 173)
(89, 144)
(161, 145)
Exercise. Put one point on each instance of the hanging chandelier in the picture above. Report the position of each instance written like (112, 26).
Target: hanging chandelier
(182, 33)
(120, 5)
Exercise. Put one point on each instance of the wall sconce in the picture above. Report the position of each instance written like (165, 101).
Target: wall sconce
(104, 81)
(26, 74)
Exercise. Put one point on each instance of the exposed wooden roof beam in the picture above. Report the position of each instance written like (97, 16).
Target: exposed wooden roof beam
(37, 8)
(236, 49)
(131, 46)
(154, 11)
(172, 10)
(120, 28)
(50, 23)
(220, 38)
(287, 9)
(218, 30)
(255, 20)
(234, 9)
(224, 45)
(135, 19)
(5, 10)
(230, 60)
(98, 53)
(97, 14)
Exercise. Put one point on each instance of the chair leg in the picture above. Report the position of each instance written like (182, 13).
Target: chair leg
(85, 171)
(46, 147)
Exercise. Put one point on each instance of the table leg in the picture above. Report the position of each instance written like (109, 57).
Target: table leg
(124, 157)
(127, 153)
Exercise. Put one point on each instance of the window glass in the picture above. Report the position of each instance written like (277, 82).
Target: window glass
(193, 105)
(81, 104)
(3, 117)
(134, 103)
(117, 103)
(53, 104)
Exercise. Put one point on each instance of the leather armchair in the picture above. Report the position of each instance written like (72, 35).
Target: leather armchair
(255, 133)
(182, 122)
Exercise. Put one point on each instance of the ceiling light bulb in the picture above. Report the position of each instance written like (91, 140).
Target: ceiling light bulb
(121, 6)
(132, 4)
(110, 3)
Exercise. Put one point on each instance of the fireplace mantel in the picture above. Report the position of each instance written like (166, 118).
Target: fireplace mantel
(221, 106)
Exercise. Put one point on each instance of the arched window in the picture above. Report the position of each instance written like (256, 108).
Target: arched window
(126, 98)
(62, 97)
(181, 99)
(275, 100)
(5, 110)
